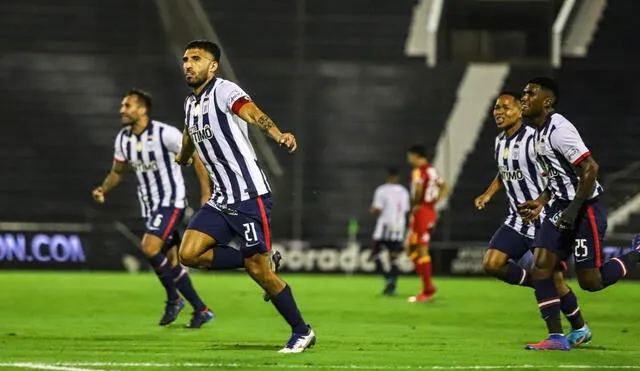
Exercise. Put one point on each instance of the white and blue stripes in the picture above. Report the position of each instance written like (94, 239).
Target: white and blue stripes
(515, 157)
(151, 155)
(222, 141)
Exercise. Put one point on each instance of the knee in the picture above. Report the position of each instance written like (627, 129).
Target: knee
(492, 264)
(187, 256)
(591, 285)
(256, 271)
(150, 249)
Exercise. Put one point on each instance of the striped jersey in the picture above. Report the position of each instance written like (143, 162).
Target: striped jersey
(222, 141)
(559, 148)
(516, 160)
(151, 155)
(393, 201)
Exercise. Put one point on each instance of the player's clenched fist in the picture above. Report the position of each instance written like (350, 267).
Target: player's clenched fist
(183, 160)
(482, 200)
(98, 195)
(289, 141)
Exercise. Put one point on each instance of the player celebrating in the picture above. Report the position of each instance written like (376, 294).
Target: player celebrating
(518, 175)
(390, 205)
(217, 114)
(149, 148)
(576, 222)
(427, 189)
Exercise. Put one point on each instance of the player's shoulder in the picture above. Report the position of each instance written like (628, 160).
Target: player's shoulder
(165, 126)
(558, 121)
(226, 84)
(125, 130)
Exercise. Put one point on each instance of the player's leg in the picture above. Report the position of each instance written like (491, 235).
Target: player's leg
(580, 332)
(592, 274)
(376, 249)
(547, 296)
(422, 221)
(253, 225)
(395, 249)
(152, 249)
(505, 248)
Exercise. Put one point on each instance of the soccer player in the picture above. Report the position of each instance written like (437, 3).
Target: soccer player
(427, 189)
(149, 147)
(513, 241)
(576, 221)
(390, 205)
(216, 118)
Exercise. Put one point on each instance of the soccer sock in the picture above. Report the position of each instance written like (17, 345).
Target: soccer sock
(394, 271)
(226, 257)
(183, 283)
(286, 305)
(516, 275)
(424, 264)
(549, 304)
(161, 266)
(616, 268)
(380, 267)
(571, 310)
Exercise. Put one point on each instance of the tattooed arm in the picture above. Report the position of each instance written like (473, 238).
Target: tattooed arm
(250, 113)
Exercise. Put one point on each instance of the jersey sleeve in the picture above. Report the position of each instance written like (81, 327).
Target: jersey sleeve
(566, 140)
(378, 201)
(172, 139)
(232, 97)
(407, 201)
(118, 152)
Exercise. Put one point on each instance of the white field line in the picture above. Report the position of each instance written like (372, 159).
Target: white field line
(76, 366)
(45, 366)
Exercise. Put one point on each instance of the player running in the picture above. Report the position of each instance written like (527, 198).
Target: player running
(390, 205)
(576, 221)
(149, 148)
(427, 189)
(216, 118)
(513, 241)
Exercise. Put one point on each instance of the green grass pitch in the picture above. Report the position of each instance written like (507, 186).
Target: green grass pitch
(108, 321)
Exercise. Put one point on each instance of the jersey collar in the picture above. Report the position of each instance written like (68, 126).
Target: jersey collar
(207, 88)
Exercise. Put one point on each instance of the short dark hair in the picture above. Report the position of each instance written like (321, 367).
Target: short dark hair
(393, 171)
(143, 97)
(516, 96)
(549, 85)
(206, 45)
(418, 149)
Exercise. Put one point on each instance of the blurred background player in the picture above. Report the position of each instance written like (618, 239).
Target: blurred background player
(513, 241)
(391, 203)
(427, 189)
(576, 221)
(217, 115)
(149, 148)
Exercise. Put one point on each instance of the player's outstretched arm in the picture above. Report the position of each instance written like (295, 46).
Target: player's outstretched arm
(110, 181)
(203, 180)
(588, 174)
(250, 113)
(493, 188)
(185, 156)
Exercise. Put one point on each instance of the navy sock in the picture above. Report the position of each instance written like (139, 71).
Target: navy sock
(515, 275)
(286, 305)
(380, 267)
(549, 304)
(394, 271)
(183, 283)
(616, 268)
(226, 257)
(571, 309)
(161, 266)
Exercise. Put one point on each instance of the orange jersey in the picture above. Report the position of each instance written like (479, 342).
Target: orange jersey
(425, 180)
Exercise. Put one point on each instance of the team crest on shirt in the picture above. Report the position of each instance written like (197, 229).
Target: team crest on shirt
(515, 153)
(196, 110)
(139, 146)
(505, 153)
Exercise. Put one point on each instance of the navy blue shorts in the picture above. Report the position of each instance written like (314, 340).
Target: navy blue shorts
(583, 242)
(246, 220)
(392, 246)
(164, 222)
(510, 242)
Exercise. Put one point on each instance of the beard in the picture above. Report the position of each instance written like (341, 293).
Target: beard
(197, 80)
